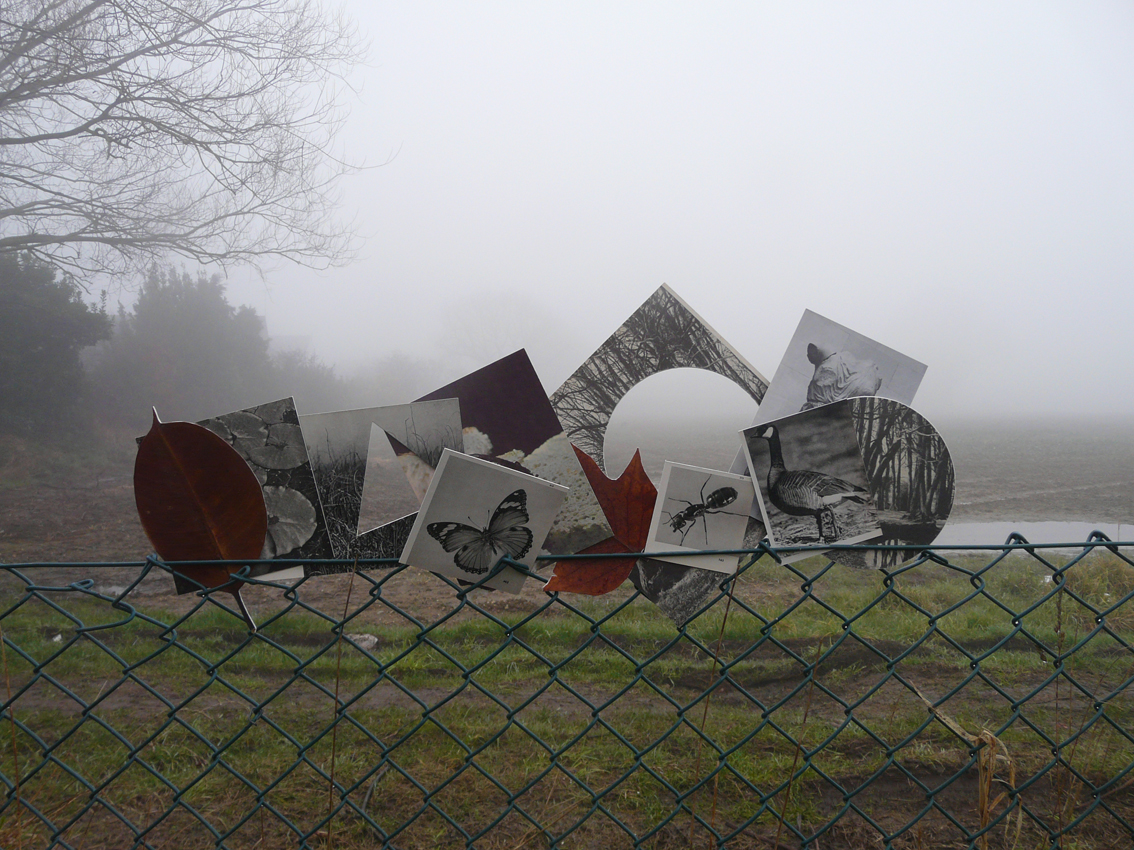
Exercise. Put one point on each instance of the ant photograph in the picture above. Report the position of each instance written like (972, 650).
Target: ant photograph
(697, 510)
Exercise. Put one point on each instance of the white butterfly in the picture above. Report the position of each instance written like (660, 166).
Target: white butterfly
(478, 549)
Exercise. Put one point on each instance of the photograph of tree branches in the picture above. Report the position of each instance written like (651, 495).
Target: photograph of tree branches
(133, 130)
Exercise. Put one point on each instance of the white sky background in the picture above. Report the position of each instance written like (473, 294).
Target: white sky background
(955, 180)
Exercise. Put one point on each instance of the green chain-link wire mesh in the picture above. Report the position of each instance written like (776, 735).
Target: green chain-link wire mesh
(977, 700)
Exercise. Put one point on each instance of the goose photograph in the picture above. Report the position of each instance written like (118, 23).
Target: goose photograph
(811, 481)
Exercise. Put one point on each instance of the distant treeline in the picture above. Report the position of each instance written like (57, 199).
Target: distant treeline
(68, 367)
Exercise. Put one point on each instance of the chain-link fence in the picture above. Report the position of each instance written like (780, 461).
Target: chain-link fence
(976, 697)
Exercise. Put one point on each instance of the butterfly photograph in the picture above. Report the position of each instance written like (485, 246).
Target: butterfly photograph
(478, 549)
(476, 512)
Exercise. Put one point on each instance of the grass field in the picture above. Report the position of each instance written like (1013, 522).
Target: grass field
(831, 707)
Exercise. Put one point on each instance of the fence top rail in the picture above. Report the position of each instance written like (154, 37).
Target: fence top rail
(1013, 543)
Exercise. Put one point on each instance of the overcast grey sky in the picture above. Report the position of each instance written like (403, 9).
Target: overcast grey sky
(955, 180)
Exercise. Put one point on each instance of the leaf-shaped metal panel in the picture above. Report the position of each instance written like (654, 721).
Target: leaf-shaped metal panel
(627, 501)
(593, 577)
(197, 499)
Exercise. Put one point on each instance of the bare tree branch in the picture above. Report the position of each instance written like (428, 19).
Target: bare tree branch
(132, 129)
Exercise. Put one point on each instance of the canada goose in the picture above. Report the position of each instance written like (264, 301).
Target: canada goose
(802, 492)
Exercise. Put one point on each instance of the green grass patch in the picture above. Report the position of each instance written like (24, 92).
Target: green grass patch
(830, 685)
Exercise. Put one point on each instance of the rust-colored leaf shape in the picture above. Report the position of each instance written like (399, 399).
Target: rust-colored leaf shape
(593, 577)
(198, 500)
(627, 501)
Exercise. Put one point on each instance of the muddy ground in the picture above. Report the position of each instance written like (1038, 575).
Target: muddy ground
(54, 510)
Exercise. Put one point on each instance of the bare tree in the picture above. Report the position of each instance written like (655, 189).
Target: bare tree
(132, 129)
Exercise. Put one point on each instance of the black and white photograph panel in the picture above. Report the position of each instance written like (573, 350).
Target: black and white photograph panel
(270, 440)
(663, 333)
(387, 494)
(338, 445)
(826, 362)
(700, 509)
(812, 483)
(331, 437)
(679, 592)
(352, 469)
(477, 512)
(911, 477)
(418, 433)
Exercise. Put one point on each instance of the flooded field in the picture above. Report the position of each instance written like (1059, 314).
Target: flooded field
(1080, 474)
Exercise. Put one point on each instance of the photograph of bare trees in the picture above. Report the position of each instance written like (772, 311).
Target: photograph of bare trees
(910, 474)
(664, 333)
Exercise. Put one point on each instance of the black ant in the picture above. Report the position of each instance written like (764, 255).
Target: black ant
(711, 504)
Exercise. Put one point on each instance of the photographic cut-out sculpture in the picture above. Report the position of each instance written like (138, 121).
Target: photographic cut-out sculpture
(826, 362)
(199, 501)
(506, 417)
(477, 512)
(628, 504)
(664, 333)
(812, 482)
(356, 451)
(698, 510)
(910, 476)
(484, 469)
(270, 440)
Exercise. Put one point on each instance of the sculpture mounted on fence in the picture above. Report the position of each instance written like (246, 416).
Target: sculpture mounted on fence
(488, 467)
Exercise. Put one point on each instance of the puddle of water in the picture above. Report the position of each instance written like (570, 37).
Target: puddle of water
(979, 533)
